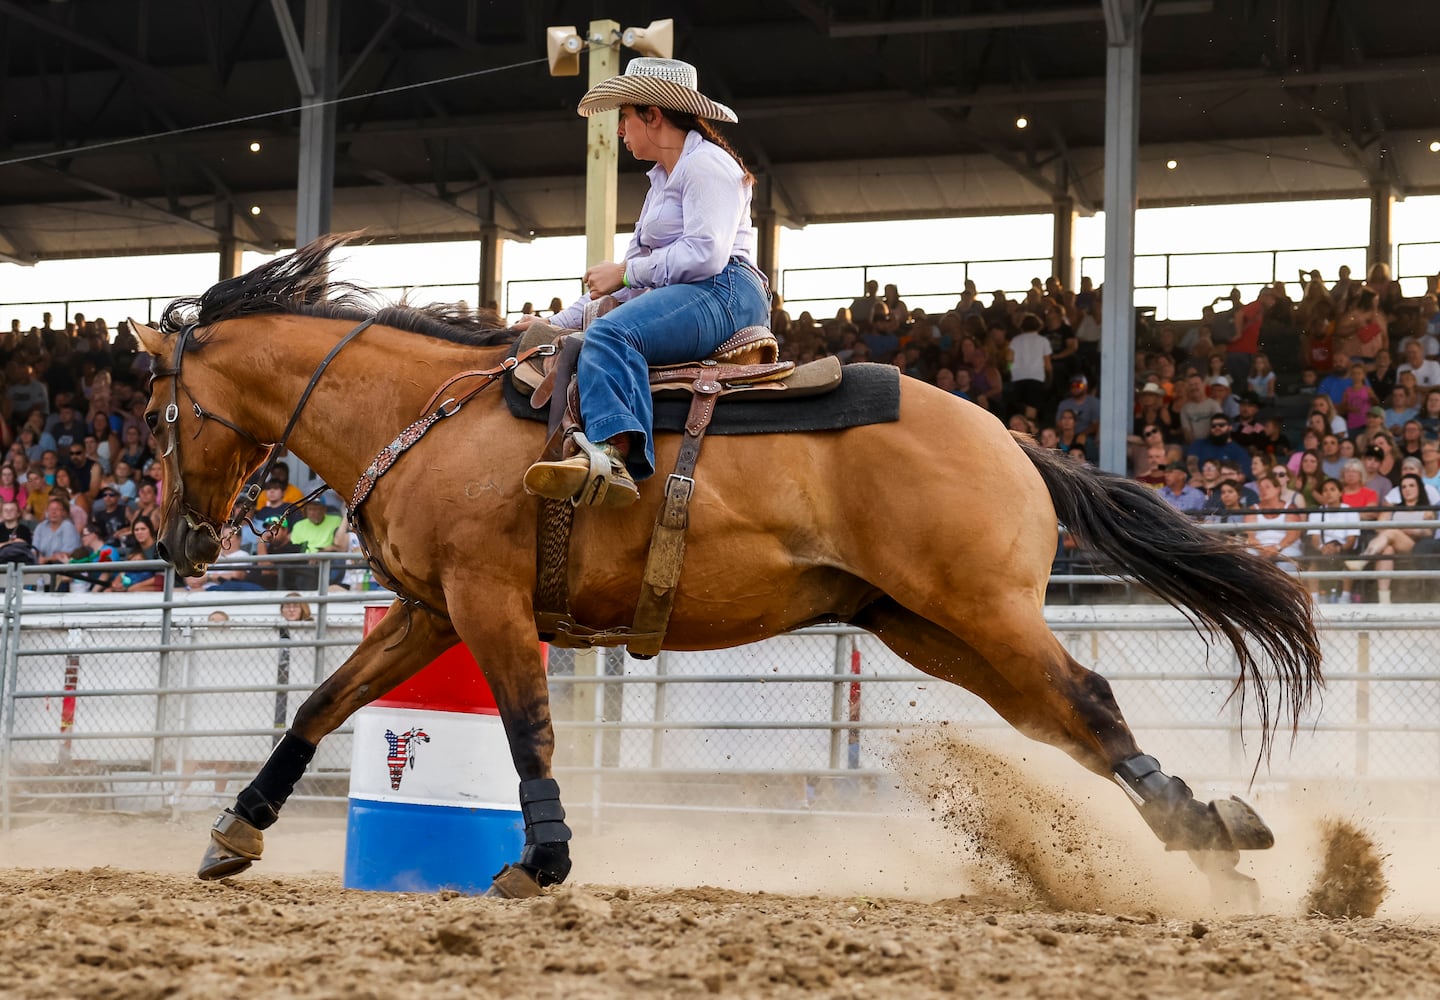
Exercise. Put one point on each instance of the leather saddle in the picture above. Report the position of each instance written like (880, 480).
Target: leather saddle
(747, 362)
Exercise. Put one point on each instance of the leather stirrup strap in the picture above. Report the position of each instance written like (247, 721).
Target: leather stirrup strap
(667, 542)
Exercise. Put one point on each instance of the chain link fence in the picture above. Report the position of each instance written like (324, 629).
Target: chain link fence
(143, 703)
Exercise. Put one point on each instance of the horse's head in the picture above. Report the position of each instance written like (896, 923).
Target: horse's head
(205, 457)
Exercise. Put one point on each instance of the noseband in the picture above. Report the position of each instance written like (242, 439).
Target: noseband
(248, 497)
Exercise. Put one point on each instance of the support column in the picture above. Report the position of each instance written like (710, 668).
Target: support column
(1062, 264)
(601, 147)
(315, 184)
(1122, 137)
(767, 232)
(492, 256)
(230, 248)
(1382, 206)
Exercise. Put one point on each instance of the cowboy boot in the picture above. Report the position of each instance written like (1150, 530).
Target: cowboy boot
(596, 475)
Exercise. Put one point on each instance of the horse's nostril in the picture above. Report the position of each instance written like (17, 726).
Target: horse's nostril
(163, 550)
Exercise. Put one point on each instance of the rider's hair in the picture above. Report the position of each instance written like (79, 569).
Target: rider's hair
(687, 122)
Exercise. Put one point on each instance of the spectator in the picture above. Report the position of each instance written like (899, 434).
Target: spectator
(1197, 409)
(1373, 461)
(281, 471)
(1429, 415)
(1217, 444)
(1261, 380)
(1427, 373)
(283, 576)
(1307, 477)
(1332, 537)
(1412, 506)
(1085, 407)
(1152, 410)
(15, 536)
(1228, 506)
(1030, 369)
(1248, 430)
(1412, 436)
(109, 517)
(272, 501)
(1330, 457)
(66, 425)
(1382, 377)
(1334, 422)
(27, 394)
(1362, 330)
(1246, 340)
(1279, 541)
(1218, 389)
(862, 308)
(1337, 379)
(234, 576)
(11, 489)
(55, 537)
(1357, 400)
(147, 503)
(1177, 491)
(1353, 490)
(1430, 463)
(92, 549)
(1401, 409)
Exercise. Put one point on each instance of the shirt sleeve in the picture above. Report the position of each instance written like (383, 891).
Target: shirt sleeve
(713, 199)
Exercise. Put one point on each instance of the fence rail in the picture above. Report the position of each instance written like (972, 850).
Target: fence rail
(141, 703)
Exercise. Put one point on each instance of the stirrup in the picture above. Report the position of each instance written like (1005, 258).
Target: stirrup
(602, 476)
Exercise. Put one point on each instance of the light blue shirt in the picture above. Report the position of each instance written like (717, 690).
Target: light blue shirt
(693, 221)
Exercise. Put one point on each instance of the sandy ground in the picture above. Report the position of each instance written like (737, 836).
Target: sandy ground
(1062, 894)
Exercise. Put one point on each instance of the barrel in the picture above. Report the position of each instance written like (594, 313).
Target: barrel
(434, 797)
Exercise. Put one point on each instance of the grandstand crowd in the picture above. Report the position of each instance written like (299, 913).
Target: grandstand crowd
(1315, 418)
(80, 486)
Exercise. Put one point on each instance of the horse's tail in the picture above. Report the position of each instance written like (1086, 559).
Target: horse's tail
(1205, 574)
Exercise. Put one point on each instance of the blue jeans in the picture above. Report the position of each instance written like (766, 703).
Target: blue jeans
(664, 326)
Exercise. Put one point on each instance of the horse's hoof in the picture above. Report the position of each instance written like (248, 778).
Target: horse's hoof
(1243, 825)
(514, 883)
(1229, 890)
(235, 845)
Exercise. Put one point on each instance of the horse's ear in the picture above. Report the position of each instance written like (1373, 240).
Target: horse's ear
(153, 340)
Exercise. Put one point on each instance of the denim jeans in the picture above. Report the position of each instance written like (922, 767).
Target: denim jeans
(664, 326)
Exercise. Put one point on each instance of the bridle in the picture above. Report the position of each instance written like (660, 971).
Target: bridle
(170, 417)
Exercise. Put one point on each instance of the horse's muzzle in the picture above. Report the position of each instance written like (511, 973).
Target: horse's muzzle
(189, 551)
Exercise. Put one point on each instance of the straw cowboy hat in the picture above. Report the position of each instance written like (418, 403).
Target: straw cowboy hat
(661, 83)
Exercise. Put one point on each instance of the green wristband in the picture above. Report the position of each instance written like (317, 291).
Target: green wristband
(625, 277)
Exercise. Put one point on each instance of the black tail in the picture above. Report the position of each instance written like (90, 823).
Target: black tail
(1229, 590)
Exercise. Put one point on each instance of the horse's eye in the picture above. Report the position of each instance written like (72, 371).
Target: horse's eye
(152, 420)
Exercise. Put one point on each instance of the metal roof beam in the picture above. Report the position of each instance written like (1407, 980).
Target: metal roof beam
(1034, 18)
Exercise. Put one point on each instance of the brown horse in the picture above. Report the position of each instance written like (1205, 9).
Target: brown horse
(785, 531)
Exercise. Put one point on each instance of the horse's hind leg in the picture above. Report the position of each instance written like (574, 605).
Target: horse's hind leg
(1028, 678)
(398, 648)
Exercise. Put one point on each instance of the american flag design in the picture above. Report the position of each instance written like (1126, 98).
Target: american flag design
(402, 752)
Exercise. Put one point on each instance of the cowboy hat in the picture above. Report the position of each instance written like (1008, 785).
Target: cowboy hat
(661, 83)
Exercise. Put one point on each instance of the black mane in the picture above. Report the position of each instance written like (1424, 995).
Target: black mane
(299, 284)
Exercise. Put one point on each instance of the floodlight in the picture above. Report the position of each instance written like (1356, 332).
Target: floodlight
(658, 39)
(562, 49)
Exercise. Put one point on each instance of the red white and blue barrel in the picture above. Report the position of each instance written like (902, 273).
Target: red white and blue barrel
(434, 797)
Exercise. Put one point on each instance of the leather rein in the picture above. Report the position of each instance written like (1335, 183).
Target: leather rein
(379, 465)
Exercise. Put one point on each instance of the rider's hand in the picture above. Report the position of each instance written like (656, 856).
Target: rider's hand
(604, 278)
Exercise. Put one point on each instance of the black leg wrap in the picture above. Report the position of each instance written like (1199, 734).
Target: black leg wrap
(547, 850)
(1168, 805)
(260, 802)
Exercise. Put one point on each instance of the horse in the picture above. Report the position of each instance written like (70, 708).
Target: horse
(936, 532)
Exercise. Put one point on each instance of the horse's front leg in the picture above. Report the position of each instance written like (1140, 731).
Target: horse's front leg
(506, 647)
(385, 658)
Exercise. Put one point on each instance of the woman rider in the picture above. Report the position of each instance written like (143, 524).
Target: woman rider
(688, 280)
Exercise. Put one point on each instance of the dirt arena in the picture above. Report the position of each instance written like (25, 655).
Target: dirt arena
(1061, 894)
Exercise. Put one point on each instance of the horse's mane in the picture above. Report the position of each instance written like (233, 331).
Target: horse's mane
(299, 284)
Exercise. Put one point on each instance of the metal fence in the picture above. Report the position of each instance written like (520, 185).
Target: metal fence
(143, 703)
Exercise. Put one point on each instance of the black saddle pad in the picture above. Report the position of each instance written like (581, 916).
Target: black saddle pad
(868, 394)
